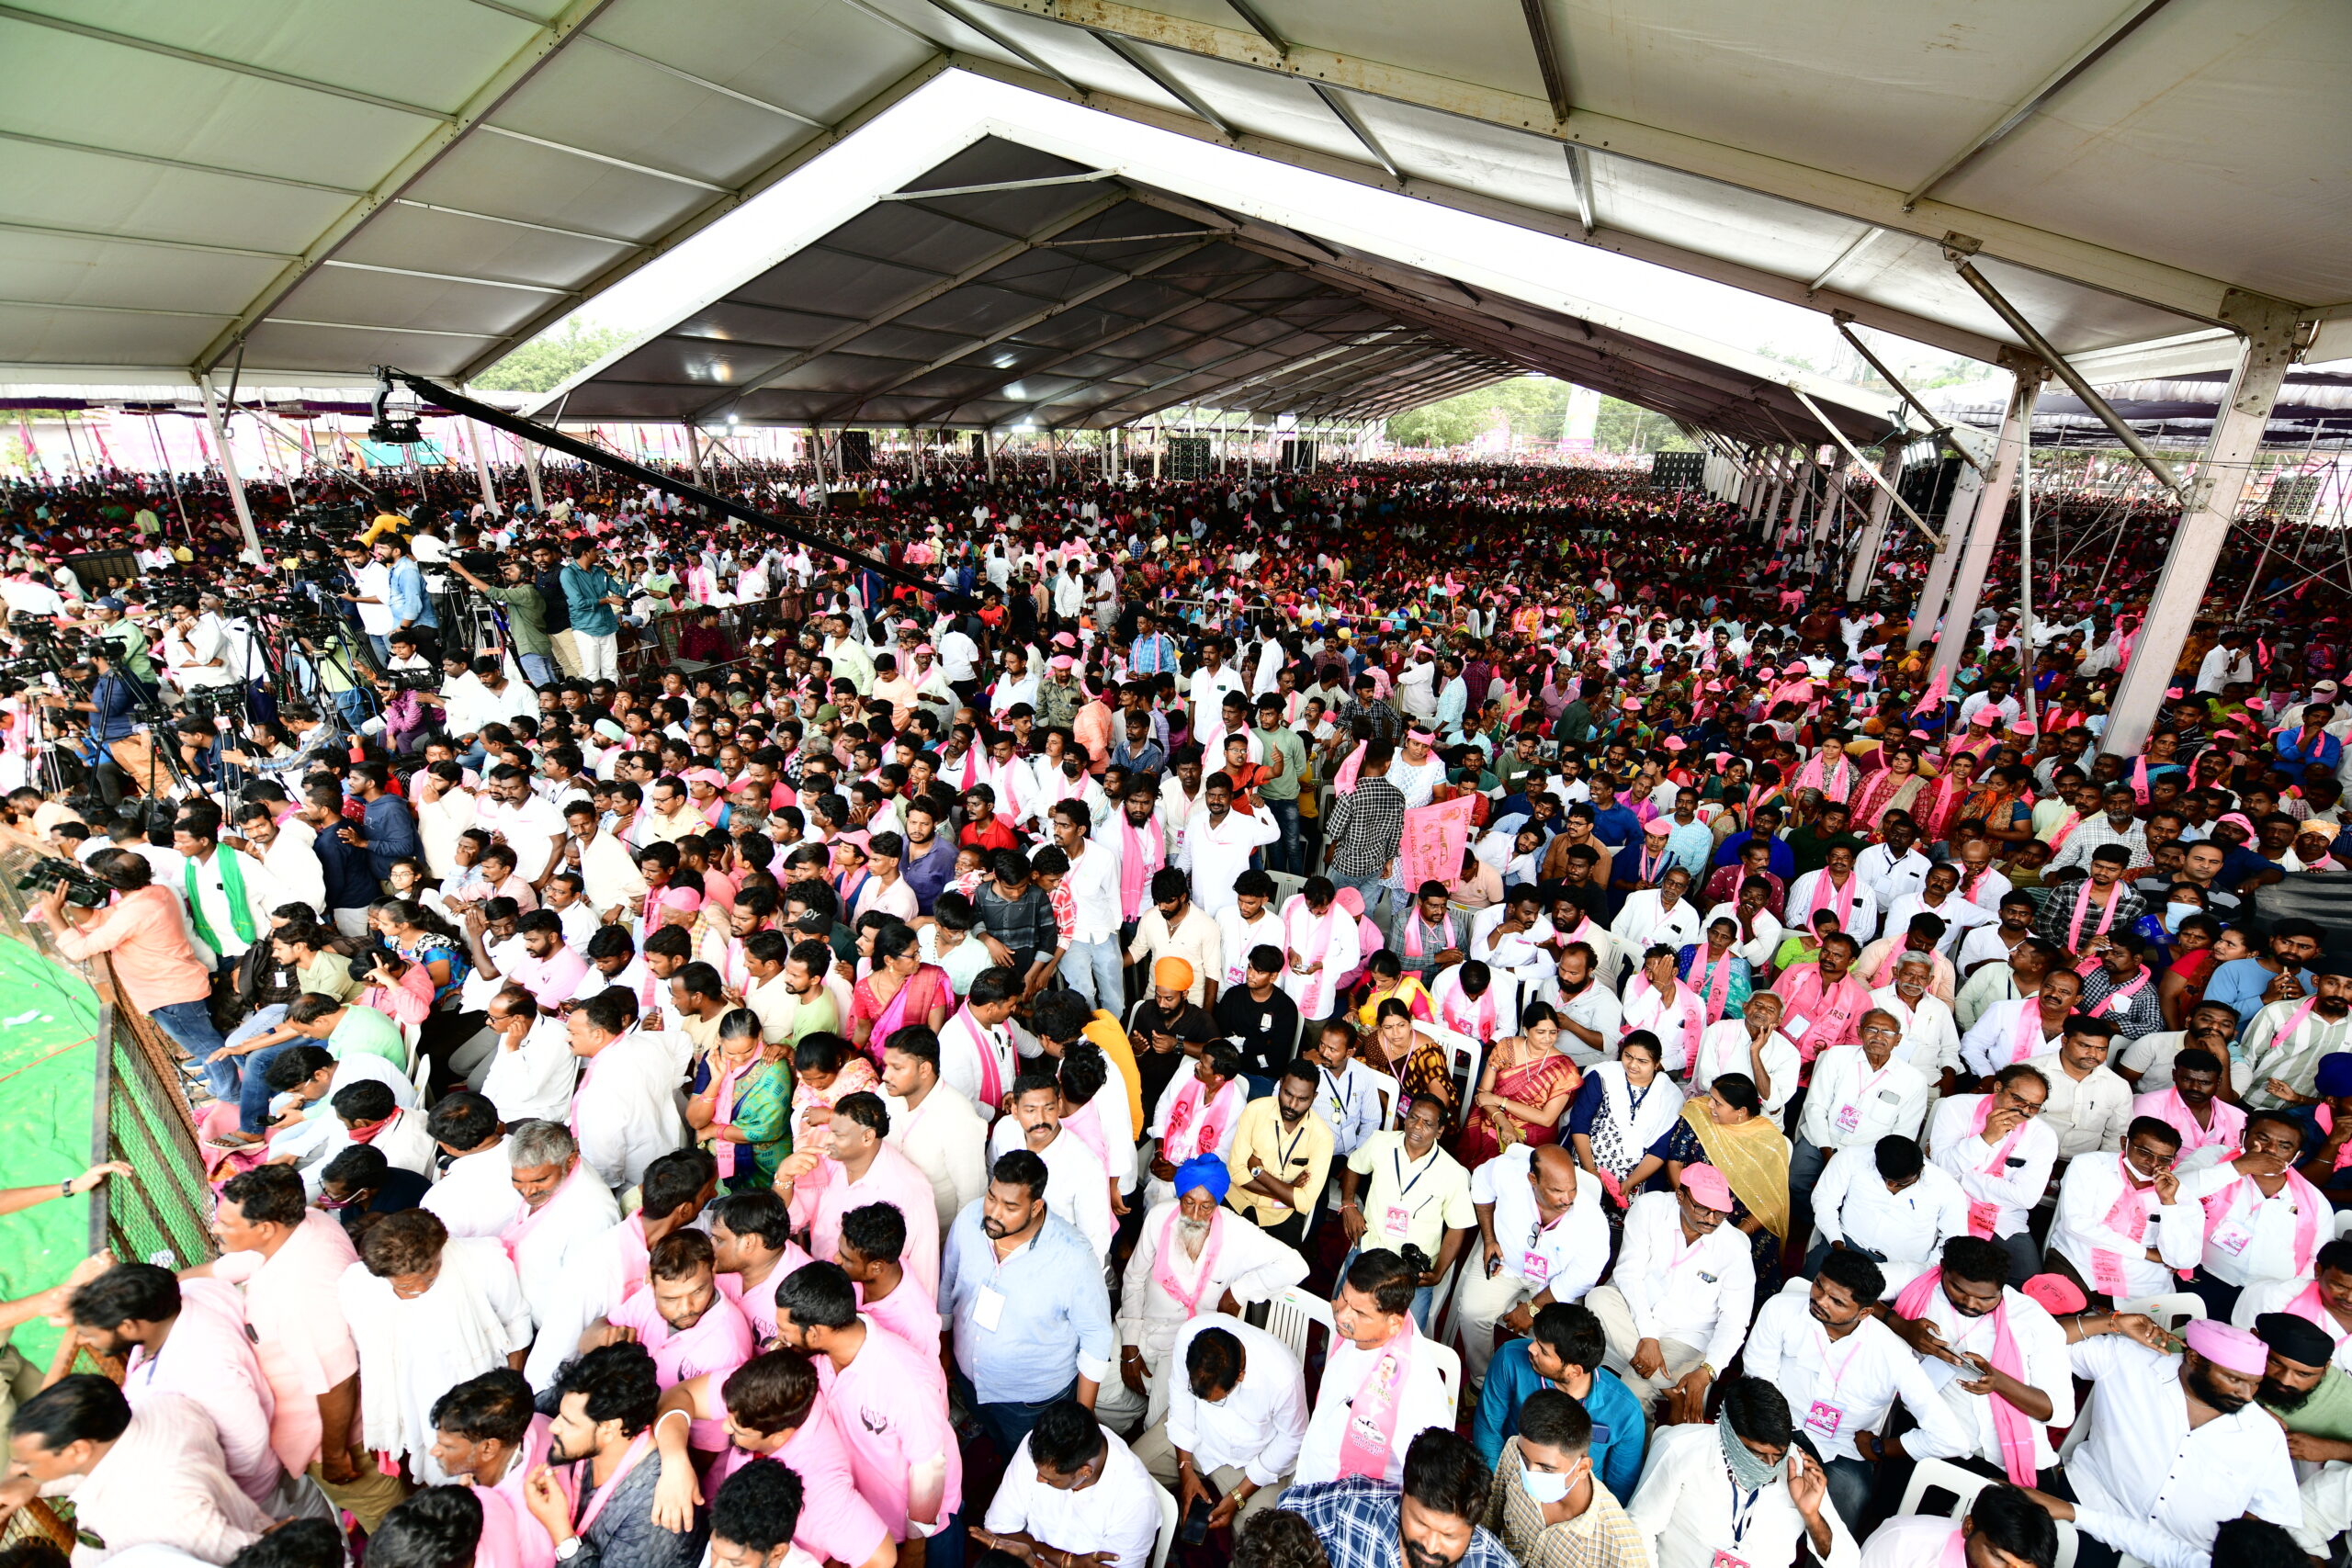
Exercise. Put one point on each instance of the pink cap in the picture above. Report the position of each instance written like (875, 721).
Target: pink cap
(1707, 1187)
(2229, 1347)
(684, 898)
(1351, 900)
(1674, 743)
(2022, 726)
(2256, 705)
(710, 777)
(1630, 704)
(2239, 820)
(2056, 1294)
(1798, 668)
(1984, 715)
(1061, 661)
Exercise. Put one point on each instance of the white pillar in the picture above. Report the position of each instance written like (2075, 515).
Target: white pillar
(817, 457)
(987, 450)
(482, 467)
(1985, 529)
(1053, 464)
(1873, 535)
(694, 450)
(1159, 440)
(2212, 505)
(1960, 511)
(228, 465)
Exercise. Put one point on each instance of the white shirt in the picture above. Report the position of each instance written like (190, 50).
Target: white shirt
(263, 894)
(2013, 1184)
(1261, 1422)
(1522, 952)
(1565, 1257)
(2041, 1351)
(1835, 1389)
(1335, 931)
(1118, 1516)
(1595, 1007)
(1093, 884)
(1851, 1105)
(534, 1081)
(625, 1113)
(2088, 1115)
(1931, 1039)
(1216, 854)
(1907, 1229)
(2088, 1192)
(1078, 1189)
(1248, 1262)
(1686, 1504)
(2254, 1241)
(1959, 917)
(1993, 1044)
(531, 827)
(1725, 1048)
(2151, 1485)
(476, 1196)
(1860, 920)
(1697, 1293)
(1983, 945)
(1890, 876)
(1642, 923)
(2273, 1296)
(947, 1140)
(1238, 936)
(963, 1041)
(1422, 1403)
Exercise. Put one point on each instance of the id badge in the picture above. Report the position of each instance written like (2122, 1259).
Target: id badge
(2233, 1238)
(1534, 1268)
(1824, 1418)
(988, 1310)
(1725, 1560)
(1849, 1118)
(1399, 1221)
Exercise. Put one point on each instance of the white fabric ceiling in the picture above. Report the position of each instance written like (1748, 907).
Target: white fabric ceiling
(317, 186)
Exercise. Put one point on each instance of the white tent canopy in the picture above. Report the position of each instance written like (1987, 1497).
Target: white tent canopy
(308, 187)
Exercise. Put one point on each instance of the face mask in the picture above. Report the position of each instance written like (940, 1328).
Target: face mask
(2176, 913)
(1544, 1487)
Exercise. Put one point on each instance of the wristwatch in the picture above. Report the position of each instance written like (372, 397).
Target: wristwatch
(566, 1548)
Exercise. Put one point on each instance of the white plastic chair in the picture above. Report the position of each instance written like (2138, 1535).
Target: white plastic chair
(1941, 1475)
(1448, 1362)
(1167, 1517)
(1292, 1313)
(1464, 1055)
(2170, 1310)
(1385, 1088)
(2344, 1225)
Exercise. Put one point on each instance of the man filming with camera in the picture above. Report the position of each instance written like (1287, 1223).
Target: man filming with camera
(144, 935)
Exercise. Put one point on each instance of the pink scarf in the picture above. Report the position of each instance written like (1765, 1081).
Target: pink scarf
(2028, 1042)
(1344, 780)
(992, 1074)
(1213, 1122)
(1087, 1127)
(722, 1110)
(1694, 1019)
(1982, 1216)
(2311, 1306)
(2082, 909)
(1370, 1435)
(2009, 1424)
(2128, 1216)
(1844, 895)
(1478, 1022)
(1833, 783)
(2309, 1206)
(1163, 1271)
(1139, 857)
(2121, 997)
(1416, 945)
(637, 1449)
(512, 1237)
(1715, 984)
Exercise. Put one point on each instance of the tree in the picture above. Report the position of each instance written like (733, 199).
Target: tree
(1535, 408)
(550, 359)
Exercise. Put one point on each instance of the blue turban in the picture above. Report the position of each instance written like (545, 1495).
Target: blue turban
(2335, 1074)
(1204, 1170)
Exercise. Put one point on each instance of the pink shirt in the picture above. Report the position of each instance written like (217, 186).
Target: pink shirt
(207, 1360)
(2228, 1129)
(892, 1179)
(758, 1303)
(505, 1502)
(149, 947)
(298, 1332)
(552, 980)
(1833, 1014)
(718, 1344)
(908, 1314)
(887, 1432)
(836, 1524)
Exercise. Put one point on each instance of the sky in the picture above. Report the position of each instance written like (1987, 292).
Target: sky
(956, 108)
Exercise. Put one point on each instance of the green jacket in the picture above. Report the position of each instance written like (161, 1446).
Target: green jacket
(526, 618)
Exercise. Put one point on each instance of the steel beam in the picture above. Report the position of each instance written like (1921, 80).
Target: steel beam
(1888, 473)
(1985, 528)
(180, 163)
(2271, 340)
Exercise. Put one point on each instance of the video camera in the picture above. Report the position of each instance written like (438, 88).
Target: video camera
(85, 889)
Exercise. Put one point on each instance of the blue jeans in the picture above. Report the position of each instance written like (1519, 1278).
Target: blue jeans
(1006, 1424)
(254, 1092)
(190, 1026)
(1375, 890)
(353, 706)
(1290, 850)
(1424, 1298)
(539, 668)
(1095, 970)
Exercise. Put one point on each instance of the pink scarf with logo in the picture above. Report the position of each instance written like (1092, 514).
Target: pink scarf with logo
(1213, 1122)
(1163, 1270)
(2083, 964)
(1982, 1216)
(2309, 1206)
(1140, 854)
(2127, 1217)
(1694, 1019)
(1370, 1434)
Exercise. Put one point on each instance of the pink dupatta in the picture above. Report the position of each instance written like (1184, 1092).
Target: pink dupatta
(2009, 1424)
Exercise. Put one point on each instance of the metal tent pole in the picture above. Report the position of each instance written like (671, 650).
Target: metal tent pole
(228, 465)
(2025, 575)
(482, 466)
(1873, 534)
(2214, 493)
(1960, 513)
(1984, 528)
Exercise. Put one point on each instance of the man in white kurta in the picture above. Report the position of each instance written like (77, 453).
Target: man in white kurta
(938, 1128)
(1365, 1340)
(421, 1334)
(625, 1113)
(2123, 1224)
(550, 1244)
(1543, 1238)
(161, 1484)
(1320, 945)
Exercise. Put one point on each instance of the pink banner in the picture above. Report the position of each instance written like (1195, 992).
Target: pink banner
(1435, 837)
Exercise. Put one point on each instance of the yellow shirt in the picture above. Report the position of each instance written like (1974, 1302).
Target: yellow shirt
(1404, 1201)
(1104, 1030)
(1284, 1151)
(385, 522)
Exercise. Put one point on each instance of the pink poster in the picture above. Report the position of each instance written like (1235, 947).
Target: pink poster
(1435, 837)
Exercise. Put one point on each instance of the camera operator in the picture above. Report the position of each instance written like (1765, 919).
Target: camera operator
(288, 745)
(411, 605)
(195, 656)
(335, 667)
(477, 695)
(371, 595)
(204, 756)
(146, 937)
(110, 624)
(113, 703)
(525, 612)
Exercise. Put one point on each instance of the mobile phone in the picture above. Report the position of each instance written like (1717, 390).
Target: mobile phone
(1195, 1529)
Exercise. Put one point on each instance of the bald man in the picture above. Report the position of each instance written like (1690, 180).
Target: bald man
(1543, 1238)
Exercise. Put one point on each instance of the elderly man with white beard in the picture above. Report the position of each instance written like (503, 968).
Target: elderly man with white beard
(1193, 1256)
(1930, 1037)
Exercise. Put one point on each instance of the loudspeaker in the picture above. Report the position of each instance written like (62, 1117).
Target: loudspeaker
(1678, 470)
(1188, 458)
(857, 451)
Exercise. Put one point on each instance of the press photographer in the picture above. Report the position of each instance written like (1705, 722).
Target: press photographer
(145, 934)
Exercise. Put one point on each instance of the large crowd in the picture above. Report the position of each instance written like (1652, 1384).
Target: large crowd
(704, 1051)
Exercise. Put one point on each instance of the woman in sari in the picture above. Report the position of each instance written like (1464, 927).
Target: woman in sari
(1717, 970)
(901, 990)
(1524, 1087)
(1622, 1108)
(1728, 1129)
(1999, 802)
(742, 1105)
(1418, 1062)
(1939, 805)
(826, 1069)
(1384, 977)
(1892, 788)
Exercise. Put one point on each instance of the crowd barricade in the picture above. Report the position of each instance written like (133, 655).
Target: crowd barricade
(160, 1213)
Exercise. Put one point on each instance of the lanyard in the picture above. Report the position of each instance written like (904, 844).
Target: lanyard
(1332, 1085)
(1406, 1187)
(1285, 1154)
(1743, 1510)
